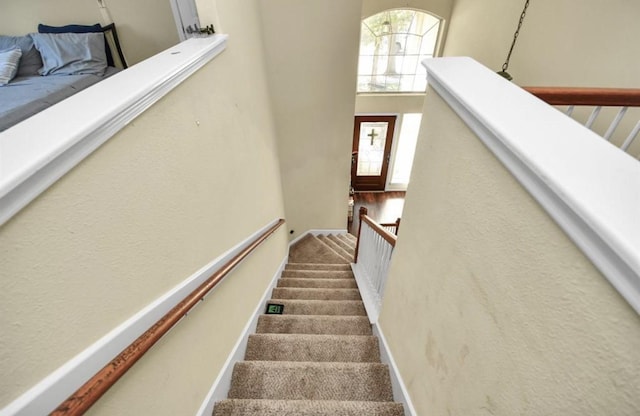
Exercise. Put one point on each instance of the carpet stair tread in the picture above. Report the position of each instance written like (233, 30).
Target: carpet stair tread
(318, 283)
(336, 248)
(347, 240)
(287, 380)
(319, 274)
(248, 407)
(310, 249)
(318, 348)
(314, 324)
(321, 307)
(316, 266)
(315, 293)
(346, 247)
(350, 237)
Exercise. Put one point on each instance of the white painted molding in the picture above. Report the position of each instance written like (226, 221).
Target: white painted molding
(400, 392)
(220, 388)
(59, 385)
(555, 159)
(37, 152)
(370, 298)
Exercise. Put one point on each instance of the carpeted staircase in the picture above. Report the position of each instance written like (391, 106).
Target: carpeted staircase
(319, 357)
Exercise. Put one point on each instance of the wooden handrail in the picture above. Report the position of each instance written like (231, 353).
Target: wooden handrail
(613, 97)
(390, 238)
(392, 224)
(80, 401)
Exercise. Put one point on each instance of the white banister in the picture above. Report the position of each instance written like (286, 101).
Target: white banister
(372, 260)
(615, 123)
(632, 136)
(555, 160)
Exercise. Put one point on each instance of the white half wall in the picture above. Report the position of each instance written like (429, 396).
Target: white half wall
(490, 307)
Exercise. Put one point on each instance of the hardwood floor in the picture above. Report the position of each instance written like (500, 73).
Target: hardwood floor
(382, 207)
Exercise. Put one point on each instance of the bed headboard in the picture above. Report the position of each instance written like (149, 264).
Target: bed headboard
(111, 35)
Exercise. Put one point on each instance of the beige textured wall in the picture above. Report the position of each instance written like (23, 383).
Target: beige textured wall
(312, 49)
(489, 307)
(562, 42)
(389, 104)
(193, 176)
(145, 27)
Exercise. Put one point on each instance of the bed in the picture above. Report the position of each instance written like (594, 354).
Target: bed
(54, 64)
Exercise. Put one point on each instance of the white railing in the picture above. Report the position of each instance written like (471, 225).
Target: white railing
(371, 262)
(392, 227)
(612, 113)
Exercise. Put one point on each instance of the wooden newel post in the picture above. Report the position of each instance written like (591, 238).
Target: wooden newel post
(397, 225)
(362, 213)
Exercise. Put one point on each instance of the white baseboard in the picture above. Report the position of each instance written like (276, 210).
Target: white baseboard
(369, 296)
(400, 392)
(220, 388)
(55, 388)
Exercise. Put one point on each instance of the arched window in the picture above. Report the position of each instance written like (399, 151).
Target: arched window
(392, 45)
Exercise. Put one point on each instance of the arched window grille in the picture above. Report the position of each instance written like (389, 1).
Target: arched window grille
(392, 45)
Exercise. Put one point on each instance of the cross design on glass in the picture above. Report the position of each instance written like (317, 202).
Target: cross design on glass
(373, 135)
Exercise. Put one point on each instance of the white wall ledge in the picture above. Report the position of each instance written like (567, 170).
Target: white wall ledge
(37, 152)
(587, 185)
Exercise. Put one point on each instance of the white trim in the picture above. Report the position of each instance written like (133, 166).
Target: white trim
(370, 297)
(37, 152)
(553, 158)
(400, 392)
(220, 388)
(59, 385)
(178, 20)
(388, 186)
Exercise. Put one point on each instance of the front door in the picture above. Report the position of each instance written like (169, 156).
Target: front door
(372, 137)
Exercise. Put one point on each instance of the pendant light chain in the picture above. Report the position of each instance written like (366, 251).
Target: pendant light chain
(505, 66)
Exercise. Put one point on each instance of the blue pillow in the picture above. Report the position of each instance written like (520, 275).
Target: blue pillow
(71, 53)
(9, 64)
(79, 29)
(30, 63)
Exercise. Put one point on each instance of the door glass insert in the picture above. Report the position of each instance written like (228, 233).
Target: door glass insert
(371, 146)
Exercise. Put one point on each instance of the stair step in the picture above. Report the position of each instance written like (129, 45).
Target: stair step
(347, 240)
(320, 283)
(310, 324)
(342, 244)
(336, 248)
(285, 380)
(318, 274)
(311, 250)
(318, 348)
(321, 307)
(247, 407)
(350, 237)
(315, 293)
(316, 266)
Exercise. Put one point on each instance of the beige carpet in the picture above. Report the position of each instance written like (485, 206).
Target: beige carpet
(323, 250)
(319, 357)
